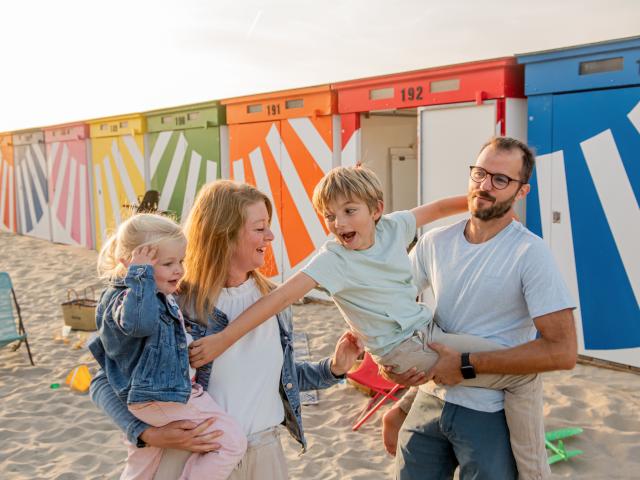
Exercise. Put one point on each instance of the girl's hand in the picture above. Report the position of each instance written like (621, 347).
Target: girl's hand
(348, 349)
(206, 349)
(144, 255)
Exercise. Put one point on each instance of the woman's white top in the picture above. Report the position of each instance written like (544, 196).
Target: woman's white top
(245, 379)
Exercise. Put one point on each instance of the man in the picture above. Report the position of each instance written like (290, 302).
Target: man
(492, 278)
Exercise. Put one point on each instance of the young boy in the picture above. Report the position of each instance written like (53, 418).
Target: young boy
(367, 272)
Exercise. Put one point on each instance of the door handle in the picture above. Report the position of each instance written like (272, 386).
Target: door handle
(556, 217)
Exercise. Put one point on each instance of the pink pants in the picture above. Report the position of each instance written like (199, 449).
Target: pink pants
(142, 463)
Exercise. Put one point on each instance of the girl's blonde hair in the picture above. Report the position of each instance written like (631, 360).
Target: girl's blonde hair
(140, 229)
(212, 228)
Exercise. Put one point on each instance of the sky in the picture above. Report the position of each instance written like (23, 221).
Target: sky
(71, 60)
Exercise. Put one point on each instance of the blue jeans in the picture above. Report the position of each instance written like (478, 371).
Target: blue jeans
(436, 437)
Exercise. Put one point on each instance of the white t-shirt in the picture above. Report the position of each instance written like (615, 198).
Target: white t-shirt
(493, 290)
(245, 379)
(373, 288)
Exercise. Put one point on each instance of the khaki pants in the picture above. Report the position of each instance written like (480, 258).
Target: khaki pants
(523, 402)
(264, 460)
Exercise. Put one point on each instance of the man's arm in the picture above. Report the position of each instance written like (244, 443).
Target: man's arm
(556, 349)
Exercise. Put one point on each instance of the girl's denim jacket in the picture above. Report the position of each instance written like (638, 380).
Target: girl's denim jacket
(295, 377)
(141, 346)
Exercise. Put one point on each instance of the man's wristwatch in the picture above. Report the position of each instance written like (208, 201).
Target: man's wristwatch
(466, 368)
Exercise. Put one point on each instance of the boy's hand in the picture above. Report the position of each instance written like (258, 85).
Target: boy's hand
(144, 255)
(206, 349)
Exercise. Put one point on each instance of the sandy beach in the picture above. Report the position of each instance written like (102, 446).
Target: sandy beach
(50, 433)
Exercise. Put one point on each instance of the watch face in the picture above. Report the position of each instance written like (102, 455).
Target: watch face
(468, 372)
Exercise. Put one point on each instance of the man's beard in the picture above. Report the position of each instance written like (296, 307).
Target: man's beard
(497, 210)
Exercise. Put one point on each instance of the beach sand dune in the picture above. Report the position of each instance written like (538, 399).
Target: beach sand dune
(50, 433)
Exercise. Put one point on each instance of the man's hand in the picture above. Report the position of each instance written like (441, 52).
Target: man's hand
(183, 435)
(391, 423)
(206, 349)
(410, 378)
(446, 370)
(348, 349)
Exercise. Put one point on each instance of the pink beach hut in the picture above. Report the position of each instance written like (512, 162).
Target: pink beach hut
(69, 184)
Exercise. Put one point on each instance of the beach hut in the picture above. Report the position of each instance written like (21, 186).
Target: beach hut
(8, 220)
(32, 192)
(185, 152)
(283, 143)
(118, 170)
(420, 131)
(68, 153)
(584, 121)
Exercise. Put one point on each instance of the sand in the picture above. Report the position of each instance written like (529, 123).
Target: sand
(59, 434)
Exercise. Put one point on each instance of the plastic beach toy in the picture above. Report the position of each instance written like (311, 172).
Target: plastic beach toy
(555, 445)
(79, 378)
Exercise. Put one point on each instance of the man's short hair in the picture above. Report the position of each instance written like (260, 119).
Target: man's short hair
(508, 144)
(351, 183)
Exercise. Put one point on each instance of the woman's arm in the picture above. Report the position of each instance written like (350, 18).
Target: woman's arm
(438, 209)
(106, 399)
(206, 349)
(182, 434)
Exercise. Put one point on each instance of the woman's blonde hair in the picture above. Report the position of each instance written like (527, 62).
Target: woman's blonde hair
(140, 229)
(212, 229)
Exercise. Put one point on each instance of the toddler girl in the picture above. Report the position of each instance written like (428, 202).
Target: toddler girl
(142, 345)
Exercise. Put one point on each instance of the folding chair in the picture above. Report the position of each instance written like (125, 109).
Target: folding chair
(367, 375)
(8, 331)
(149, 203)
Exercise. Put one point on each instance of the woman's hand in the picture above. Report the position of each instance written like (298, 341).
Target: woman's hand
(183, 435)
(207, 349)
(348, 349)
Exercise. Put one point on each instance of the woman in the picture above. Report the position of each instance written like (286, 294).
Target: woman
(257, 381)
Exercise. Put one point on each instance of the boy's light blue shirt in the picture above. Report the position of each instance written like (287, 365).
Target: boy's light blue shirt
(373, 288)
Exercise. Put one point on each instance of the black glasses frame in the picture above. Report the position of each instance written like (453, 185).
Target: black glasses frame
(492, 175)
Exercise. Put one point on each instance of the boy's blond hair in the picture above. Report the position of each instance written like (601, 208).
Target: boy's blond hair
(140, 229)
(351, 183)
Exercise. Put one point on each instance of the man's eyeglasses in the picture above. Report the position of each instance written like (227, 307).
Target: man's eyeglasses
(499, 181)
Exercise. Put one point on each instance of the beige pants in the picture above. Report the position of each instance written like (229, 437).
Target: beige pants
(264, 460)
(522, 400)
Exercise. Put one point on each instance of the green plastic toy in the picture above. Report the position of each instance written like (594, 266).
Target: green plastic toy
(558, 450)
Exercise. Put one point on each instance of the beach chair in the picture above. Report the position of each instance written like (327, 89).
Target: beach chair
(149, 203)
(8, 331)
(145, 204)
(368, 376)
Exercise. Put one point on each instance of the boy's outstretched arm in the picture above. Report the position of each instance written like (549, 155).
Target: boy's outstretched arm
(208, 348)
(445, 207)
